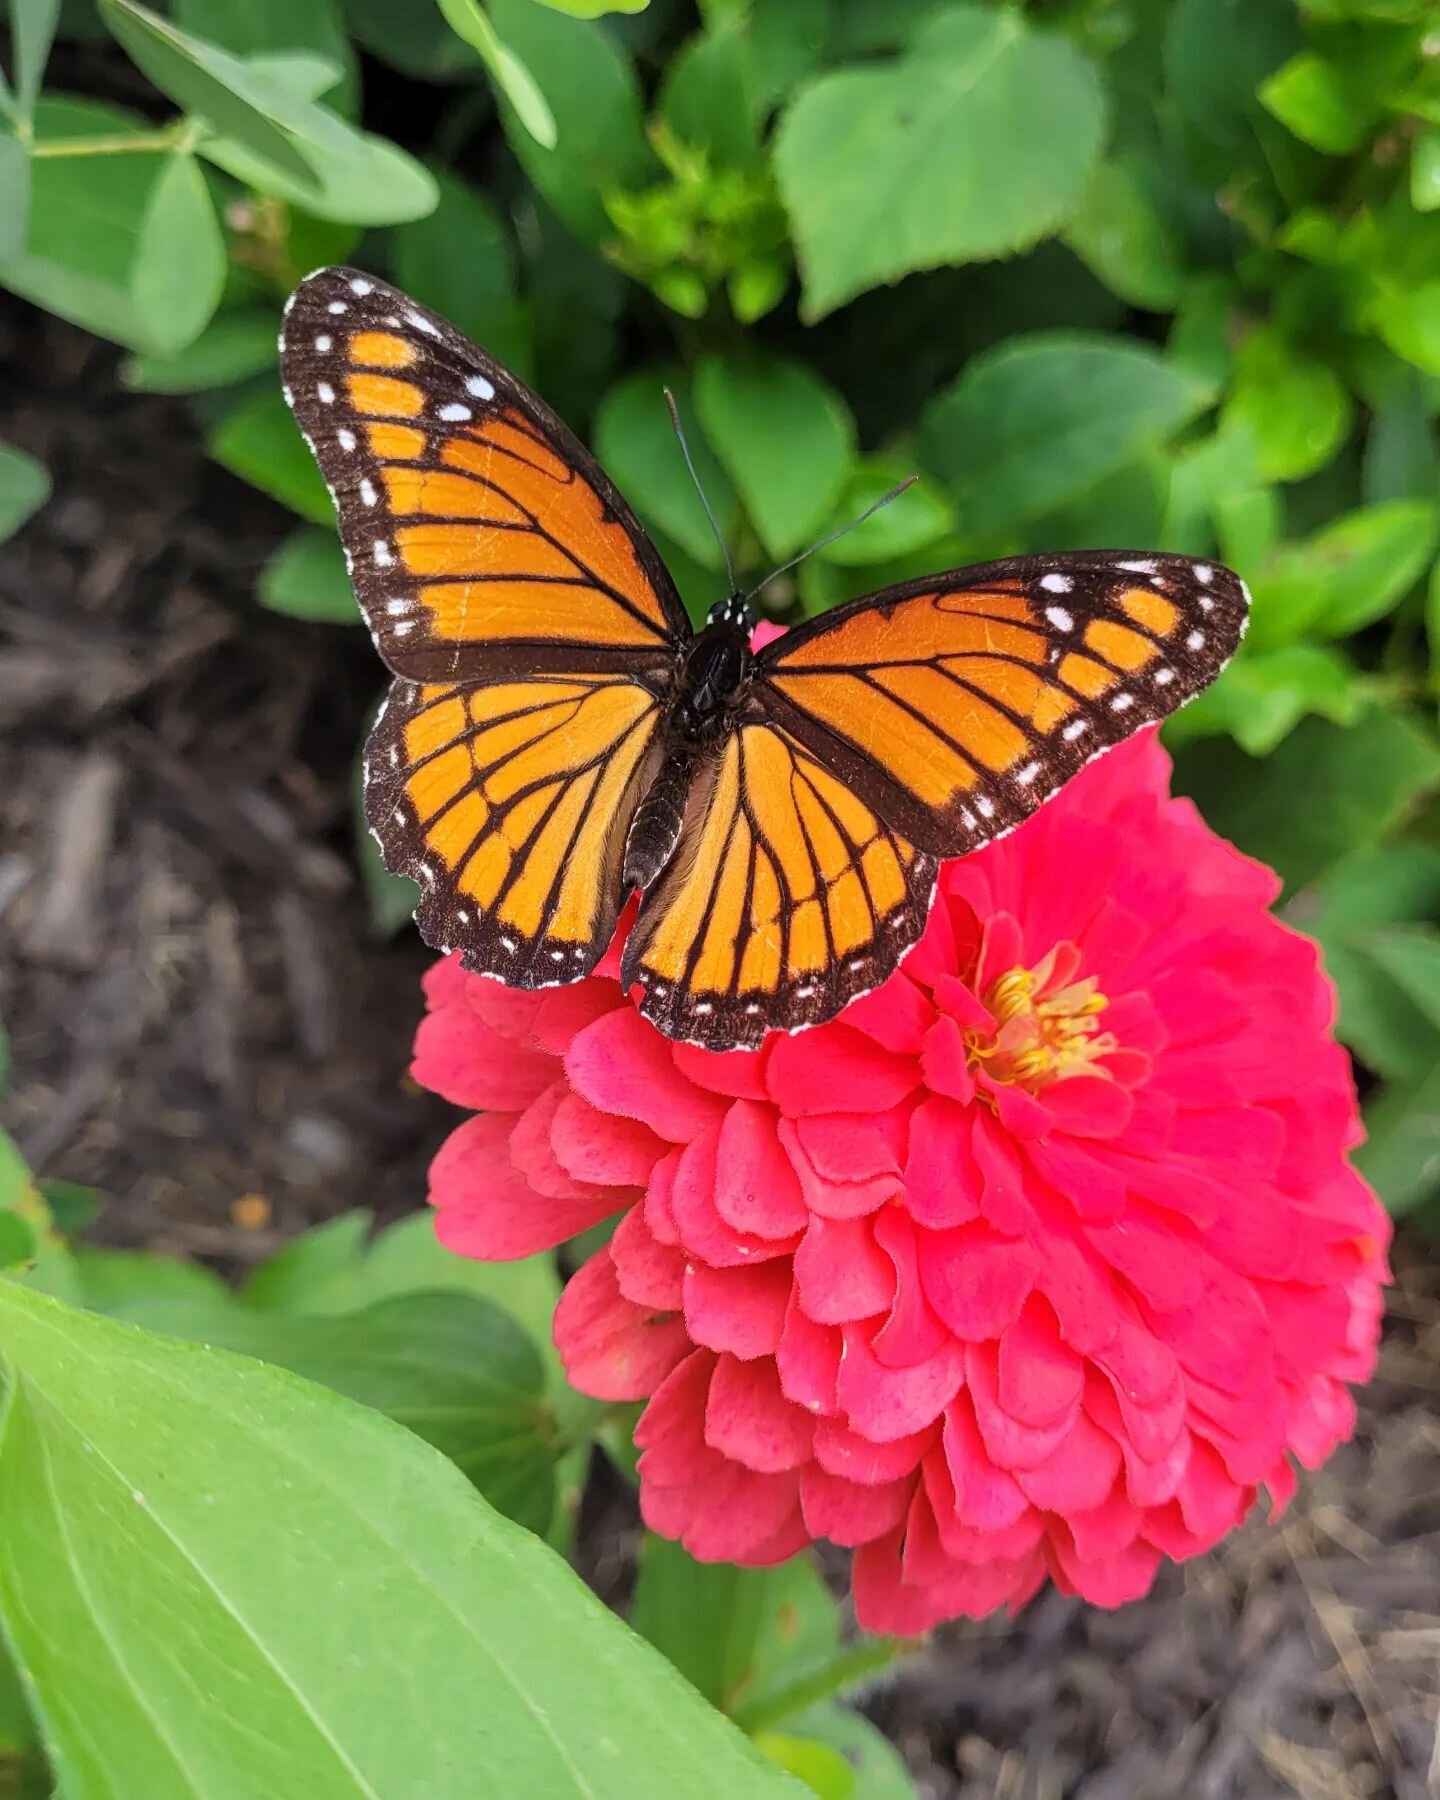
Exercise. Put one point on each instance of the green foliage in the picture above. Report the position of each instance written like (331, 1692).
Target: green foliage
(180, 1518)
(24, 488)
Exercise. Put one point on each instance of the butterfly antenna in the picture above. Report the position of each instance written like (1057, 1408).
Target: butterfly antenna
(690, 465)
(830, 537)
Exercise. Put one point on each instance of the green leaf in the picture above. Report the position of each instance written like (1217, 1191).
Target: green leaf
(180, 260)
(72, 1205)
(785, 438)
(1295, 409)
(1408, 318)
(879, 1768)
(32, 31)
(208, 81)
(1038, 420)
(352, 176)
(24, 488)
(1310, 96)
(112, 1280)
(1216, 54)
(587, 82)
(459, 260)
(1361, 898)
(17, 1729)
(636, 442)
(17, 1240)
(452, 1368)
(232, 347)
(86, 218)
(1400, 1157)
(1124, 237)
(306, 578)
(1360, 780)
(183, 1520)
(309, 1261)
(592, 9)
(916, 518)
(706, 98)
(976, 145)
(413, 38)
(259, 441)
(823, 1770)
(1402, 459)
(14, 197)
(1425, 171)
(1410, 956)
(51, 1268)
(468, 20)
(787, 42)
(1347, 575)
(271, 27)
(1264, 694)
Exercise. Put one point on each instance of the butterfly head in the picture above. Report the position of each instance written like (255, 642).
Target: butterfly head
(734, 610)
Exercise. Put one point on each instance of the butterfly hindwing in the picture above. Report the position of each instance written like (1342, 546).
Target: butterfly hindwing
(509, 803)
(482, 537)
(957, 704)
(787, 896)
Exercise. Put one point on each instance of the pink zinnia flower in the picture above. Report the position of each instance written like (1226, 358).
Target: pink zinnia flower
(1038, 1262)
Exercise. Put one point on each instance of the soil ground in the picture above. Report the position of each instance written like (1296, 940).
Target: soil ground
(200, 1015)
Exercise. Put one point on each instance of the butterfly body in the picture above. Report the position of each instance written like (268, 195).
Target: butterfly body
(558, 736)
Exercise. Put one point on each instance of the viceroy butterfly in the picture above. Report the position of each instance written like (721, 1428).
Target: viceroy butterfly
(558, 736)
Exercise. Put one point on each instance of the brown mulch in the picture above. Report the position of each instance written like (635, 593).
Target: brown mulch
(199, 1013)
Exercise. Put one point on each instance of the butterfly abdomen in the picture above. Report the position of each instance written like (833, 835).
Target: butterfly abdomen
(655, 829)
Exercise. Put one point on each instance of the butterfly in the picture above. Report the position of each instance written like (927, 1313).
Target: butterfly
(558, 735)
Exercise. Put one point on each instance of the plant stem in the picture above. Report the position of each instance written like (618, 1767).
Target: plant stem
(113, 144)
(845, 1671)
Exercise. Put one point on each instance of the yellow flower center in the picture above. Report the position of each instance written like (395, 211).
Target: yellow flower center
(1047, 1026)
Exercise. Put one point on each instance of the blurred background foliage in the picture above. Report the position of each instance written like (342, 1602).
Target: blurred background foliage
(1105, 272)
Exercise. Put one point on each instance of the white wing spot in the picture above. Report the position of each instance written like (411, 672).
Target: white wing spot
(421, 323)
(324, 341)
(360, 286)
(1055, 583)
(337, 306)
(462, 915)
(704, 1006)
(326, 392)
(453, 413)
(1144, 567)
(345, 438)
(1122, 702)
(367, 491)
(383, 554)
(801, 993)
(480, 387)
(404, 626)
(753, 1010)
(1059, 618)
(1163, 677)
(1026, 775)
(967, 818)
(397, 606)
(1074, 730)
(1206, 603)
(557, 956)
(1204, 574)
(985, 808)
(395, 757)
(1195, 641)
(508, 942)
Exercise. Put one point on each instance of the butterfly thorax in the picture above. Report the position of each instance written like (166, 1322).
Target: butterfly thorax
(712, 679)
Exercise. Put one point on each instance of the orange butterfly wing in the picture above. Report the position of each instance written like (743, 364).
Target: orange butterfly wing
(957, 704)
(482, 537)
(532, 625)
(787, 896)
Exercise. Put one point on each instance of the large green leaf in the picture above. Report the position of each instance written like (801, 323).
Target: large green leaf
(460, 260)
(786, 440)
(32, 30)
(270, 27)
(975, 145)
(351, 176)
(24, 488)
(1038, 420)
(207, 81)
(1293, 406)
(185, 1523)
(1217, 52)
(1124, 236)
(590, 88)
(453, 1368)
(708, 99)
(1352, 572)
(1327, 791)
(636, 442)
(918, 517)
(258, 440)
(1264, 694)
(469, 20)
(180, 259)
(231, 347)
(88, 217)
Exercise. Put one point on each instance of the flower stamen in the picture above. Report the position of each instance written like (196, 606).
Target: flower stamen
(1047, 1024)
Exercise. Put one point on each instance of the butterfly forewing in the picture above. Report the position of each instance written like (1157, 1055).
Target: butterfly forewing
(482, 538)
(958, 703)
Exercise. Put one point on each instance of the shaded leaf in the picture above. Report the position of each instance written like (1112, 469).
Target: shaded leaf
(306, 578)
(916, 518)
(460, 260)
(822, 1769)
(1346, 575)
(976, 145)
(1038, 420)
(149, 1482)
(880, 1770)
(1120, 232)
(1311, 97)
(270, 27)
(1293, 407)
(112, 1280)
(258, 440)
(32, 31)
(233, 346)
(14, 197)
(180, 259)
(636, 442)
(785, 438)
(1264, 694)
(24, 488)
(469, 20)
(1400, 1157)
(707, 98)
